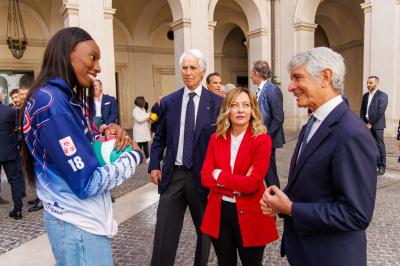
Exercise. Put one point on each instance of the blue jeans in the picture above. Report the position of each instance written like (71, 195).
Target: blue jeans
(73, 246)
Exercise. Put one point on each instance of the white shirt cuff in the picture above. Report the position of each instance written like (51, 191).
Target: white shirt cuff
(216, 173)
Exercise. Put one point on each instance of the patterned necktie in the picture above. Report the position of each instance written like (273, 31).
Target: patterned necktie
(307, 131)
(188, 140)
(258, 92)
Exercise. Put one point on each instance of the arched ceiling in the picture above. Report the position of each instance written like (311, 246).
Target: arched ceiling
(250, 8)
(341, 20)
(228, 15)
(142, 17)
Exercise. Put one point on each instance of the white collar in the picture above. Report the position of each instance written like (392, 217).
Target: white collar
(262, 83)
(373, 92)
(238, 137)
(197, 91)
(324, 110)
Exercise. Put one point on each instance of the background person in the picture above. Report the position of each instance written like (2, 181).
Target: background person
(105, 106)
(59, 157)
(214, 84)
(270, 102)
(9, 158)
(141, 130)
(372, 112)
(234, 169)
(14, 94)
(330, 196)
(156, 109)
(185, 114)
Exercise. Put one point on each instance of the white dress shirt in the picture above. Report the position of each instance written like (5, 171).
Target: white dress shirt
(185, 100)
(235, 145)
(261, 86)
(370, 96)
(97, 104)
(322, 112)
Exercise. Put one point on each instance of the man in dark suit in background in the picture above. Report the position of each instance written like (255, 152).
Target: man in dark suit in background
(155, 109)
(2, 201)
(372, 112)
(105, 107)
(330, 196)
(184, 115)
(270, 102)
(9, 158)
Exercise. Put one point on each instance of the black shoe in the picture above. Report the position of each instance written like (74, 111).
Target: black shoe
(398, 159)
(3, 201)
(381, 171)
(33, 202)
(17, 215)
(37, 207)
(112, 199)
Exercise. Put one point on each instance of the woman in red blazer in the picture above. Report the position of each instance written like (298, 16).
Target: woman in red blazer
(236, 163)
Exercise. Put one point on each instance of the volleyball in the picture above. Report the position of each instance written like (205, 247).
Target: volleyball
(105, 152)
(153, 117)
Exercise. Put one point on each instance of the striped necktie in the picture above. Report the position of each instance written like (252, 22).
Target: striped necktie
(258, 92)
(307, 131)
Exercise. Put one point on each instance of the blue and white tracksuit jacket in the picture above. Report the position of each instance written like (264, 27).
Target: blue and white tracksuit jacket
(69, 181)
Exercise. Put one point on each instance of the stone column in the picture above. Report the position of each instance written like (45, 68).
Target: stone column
(304, 36)
(383, 61)
(200, 32)
(70, 12)
(96, 17)
(182, 42)
(108, 57)
(396, 100)
(367, 8)
(259, 48)
(211, 54)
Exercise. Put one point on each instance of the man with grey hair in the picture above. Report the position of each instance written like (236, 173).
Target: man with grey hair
(187, 115)
(330, 196)
(270, 102)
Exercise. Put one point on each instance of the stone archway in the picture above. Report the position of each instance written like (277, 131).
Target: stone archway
(253, 18)
(343, 26)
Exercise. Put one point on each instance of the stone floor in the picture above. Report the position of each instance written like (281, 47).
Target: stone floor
(133, 243)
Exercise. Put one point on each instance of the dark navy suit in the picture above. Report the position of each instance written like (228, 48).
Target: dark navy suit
(332, 185)
(270, 102)
(376, 117)
(9, 154)
(178, 187)
(109, 109)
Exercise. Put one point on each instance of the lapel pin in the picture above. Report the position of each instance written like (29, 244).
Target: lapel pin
(208, 108)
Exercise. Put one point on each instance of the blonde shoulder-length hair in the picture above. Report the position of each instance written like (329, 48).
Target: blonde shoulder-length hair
(223, 123)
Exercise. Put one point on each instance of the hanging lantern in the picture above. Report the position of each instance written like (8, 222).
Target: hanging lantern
(16, 37)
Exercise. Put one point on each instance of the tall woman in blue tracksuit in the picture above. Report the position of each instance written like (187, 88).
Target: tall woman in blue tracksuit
(58, 154)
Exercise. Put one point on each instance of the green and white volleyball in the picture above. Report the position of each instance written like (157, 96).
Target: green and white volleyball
(105, 152)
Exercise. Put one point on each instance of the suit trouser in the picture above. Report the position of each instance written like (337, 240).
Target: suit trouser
(230, 240)
(14, 175)
(179, 194)
(145, 148)
(378, 136)
(272, 175)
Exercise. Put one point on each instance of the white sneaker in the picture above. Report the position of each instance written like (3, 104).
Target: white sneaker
(147, 160)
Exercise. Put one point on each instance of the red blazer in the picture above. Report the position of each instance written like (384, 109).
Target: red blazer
(256, 229)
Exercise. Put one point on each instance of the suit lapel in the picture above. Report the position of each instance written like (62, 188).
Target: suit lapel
(296, 152)
(203, 113)
(226, 152)
(176, 110)
(317, 139)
